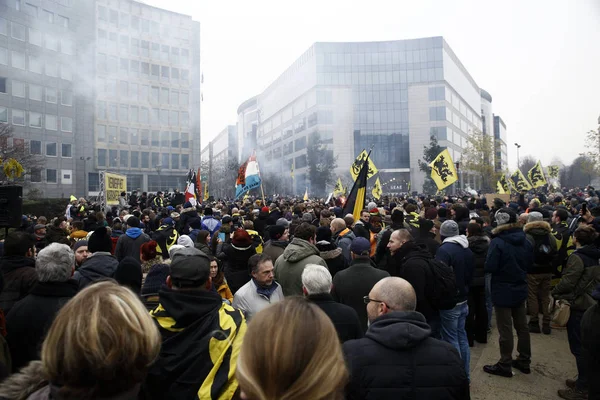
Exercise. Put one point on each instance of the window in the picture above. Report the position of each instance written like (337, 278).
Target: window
(185, 140)
(185, 74)
(124, 43)
(18, 117)
(134, 114)
(51, 42)
(52, 69)
(185, 161)
(35, 175)
(65, 73)
(145, 137)
(114, 18)
(35, 92)
(145, 159)
(101, 110)
(145, 68)
(175, 140)
(155, 70)
(135, 23)
(3, 26)
(48, 16)
(134, 159)
(164, 73)
(51, 96)
(67, 47)
(154, 94)
(184, 99)
(155, 142)
(175, 55)
(51, 149)
(436, 93)
(3, 114)
(164, 117)
(51, 176)
(164, 53)
(66, 124)
(145, 26)
(123, 136)
(133, 92)
(18, 60)
(124, 158)
(154, 159)
(2, 84)
(174, 118)
(135, 47)
(124, 20)
(155, 51)
(66, 176)
(185, 56)
(112, 134)
(112, 112)
(144, 115)
(62, 21)
(18, 31)
(112, 64)
(50, 122)
(175, 73)
(164, 139)
(185, 118)
(437, 113)
(35, 37)
(35, 119)
(112, 158)
(174, 161)
(3, 56)
(145, 48)
(35, 147)
(66, 150)
(134, 67)
(134, 136)
(174, 97)
(164, 160)
(66, 98)
(102, 13)
(101, 133)
(164, 95)
(102, 157)
(18, 89)
(124, 89)
(123, 113)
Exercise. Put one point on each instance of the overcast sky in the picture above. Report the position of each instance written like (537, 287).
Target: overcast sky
(539, 59)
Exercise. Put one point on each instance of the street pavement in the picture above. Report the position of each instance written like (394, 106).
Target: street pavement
(551, 364)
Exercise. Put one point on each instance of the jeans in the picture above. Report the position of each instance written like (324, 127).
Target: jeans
(488, 298)
(505, 317)
(453, 331)
(574, 336)
(538, 295)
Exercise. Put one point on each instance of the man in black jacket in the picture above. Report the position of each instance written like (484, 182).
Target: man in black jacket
(398, 358)
(129, 244)
(381, 252)
(18, 269)
(29, 319)
(316, 285)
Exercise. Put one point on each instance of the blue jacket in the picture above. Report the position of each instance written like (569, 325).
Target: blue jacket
(211, 224)
(455, 253)
(509, 256)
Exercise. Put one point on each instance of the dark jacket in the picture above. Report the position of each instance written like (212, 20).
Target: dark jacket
(479, 246)
(203, 247)
(275, 248)
(381, 252)
(590, 332)
(509, 256)
(235, 265)
(580, 278)
(344, 318)
(289, 267)
(411, 262)
(333, 256)
(30, 318)
(98, 266)
(455, 252)
(343, 240)
(128, 245)
(355, 282)
(55, 234)
(398, 359)
(189, 216)
(260, 223)
(539, 230)
(428, 239)
(19, 277)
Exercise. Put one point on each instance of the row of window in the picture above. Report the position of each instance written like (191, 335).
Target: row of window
(51, 149)
(35, 37)
(37, 92)
(51, 175)
(142, 115)
(113, 65)
(142, 137)
(135, 92)
(114, 42)
(141, 159)
(36, 120)
(439, 93)
(35, 64)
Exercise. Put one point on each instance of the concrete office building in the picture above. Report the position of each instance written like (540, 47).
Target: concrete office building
(500, 145)
(246, 128)
(99, 85)
(220, 163)
(390, 95)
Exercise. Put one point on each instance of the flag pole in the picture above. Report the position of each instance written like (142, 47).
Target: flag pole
(262, 190)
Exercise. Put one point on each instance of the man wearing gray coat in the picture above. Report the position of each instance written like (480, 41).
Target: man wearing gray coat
(262, 290)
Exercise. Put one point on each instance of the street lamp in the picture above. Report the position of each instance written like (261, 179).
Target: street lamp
(518, 147)
(85, 177)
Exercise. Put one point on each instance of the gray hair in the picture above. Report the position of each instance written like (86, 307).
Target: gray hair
(54, 263)
(316, 279)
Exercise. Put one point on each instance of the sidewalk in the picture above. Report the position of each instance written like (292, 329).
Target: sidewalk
(551, 364)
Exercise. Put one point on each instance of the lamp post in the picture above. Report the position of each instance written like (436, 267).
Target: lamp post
(85, 177)
(518, 147)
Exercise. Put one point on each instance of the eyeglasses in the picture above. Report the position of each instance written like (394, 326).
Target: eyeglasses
(367, 300)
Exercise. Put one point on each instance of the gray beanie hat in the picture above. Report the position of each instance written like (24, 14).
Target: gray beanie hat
(449, 229)
(535, 216)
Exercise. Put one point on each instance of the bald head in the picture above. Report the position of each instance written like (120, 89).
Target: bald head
(338, 225)
(396, 293)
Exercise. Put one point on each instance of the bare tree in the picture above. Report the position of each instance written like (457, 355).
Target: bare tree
(527, 163)
(16, 159)
(477, 159)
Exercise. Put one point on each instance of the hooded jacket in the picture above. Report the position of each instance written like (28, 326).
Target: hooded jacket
(98, 266)
(580, 278)
(509, 257)
(455, 253)
(289, 267)
(128, 245)
(343, 240)
(211, 224)
(539, 230)
(19, 277)
(202, 337)
(275, 248)
(235, 265)
(260, 223)
(397, 359)
(333, 256)
(479, 246)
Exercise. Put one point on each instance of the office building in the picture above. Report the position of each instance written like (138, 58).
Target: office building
(392, 96)
(108, 85)
(500, 145)
(220, 163)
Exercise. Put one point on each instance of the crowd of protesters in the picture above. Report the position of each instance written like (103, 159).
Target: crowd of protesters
(163, 298)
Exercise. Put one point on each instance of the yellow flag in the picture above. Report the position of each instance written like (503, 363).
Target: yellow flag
(357, 164)
(306, 195)
(519, 181)
(503, 184)
(553, 171)
(499, 188)
(206, 196)
(377, 191)
(72, 198)
(339, 188)
(536, 175)
(443, 171)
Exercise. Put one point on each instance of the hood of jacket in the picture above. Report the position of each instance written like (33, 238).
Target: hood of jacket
(478, 244)
(24, 383)
(187, 307)
(134, 233)
(345, 233)
(279, 243)
(412, 249)
(512, 233)
(399, 330)
(99, 265)
(590, 251)
(537, 228)
(10, 263)
(298, 250)
(460, 240)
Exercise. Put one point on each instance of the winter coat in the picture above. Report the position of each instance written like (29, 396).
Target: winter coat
(235, 265)
(355, 282)
(289, 267)
(333, 256)
(428, 239)
(19, 277)
(384, 238)
(98, 266)
(203, 247)
(128, 245)
(57, 235)
(30, 318)
(225, 292)
(275, 248)
(343, 240)
(398, 359)
(344, 318)
(580, 278)
(509, 257)
(250, 301)
(539, 229)
(479, 246)
(590, 332)
(411, 263)
(260, 223)
(189, 216)
(211, 224)
(455, 252)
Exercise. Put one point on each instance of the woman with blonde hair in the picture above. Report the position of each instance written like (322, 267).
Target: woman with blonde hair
(301, 359)
(100, 346)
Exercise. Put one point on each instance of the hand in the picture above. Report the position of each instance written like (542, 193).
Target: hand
(587, 217)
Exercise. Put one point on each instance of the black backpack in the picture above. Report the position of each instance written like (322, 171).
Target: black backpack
(443, 288)
(543, 253)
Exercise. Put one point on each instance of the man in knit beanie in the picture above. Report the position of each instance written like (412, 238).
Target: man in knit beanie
(100, 264)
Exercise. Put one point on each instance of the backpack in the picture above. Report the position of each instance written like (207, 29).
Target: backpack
(443, 288)
(543, 253)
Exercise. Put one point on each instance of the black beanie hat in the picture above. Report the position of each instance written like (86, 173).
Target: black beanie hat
(156, 278)
(99, 241)
(276, 231)
(129, 274)
(323, 233)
